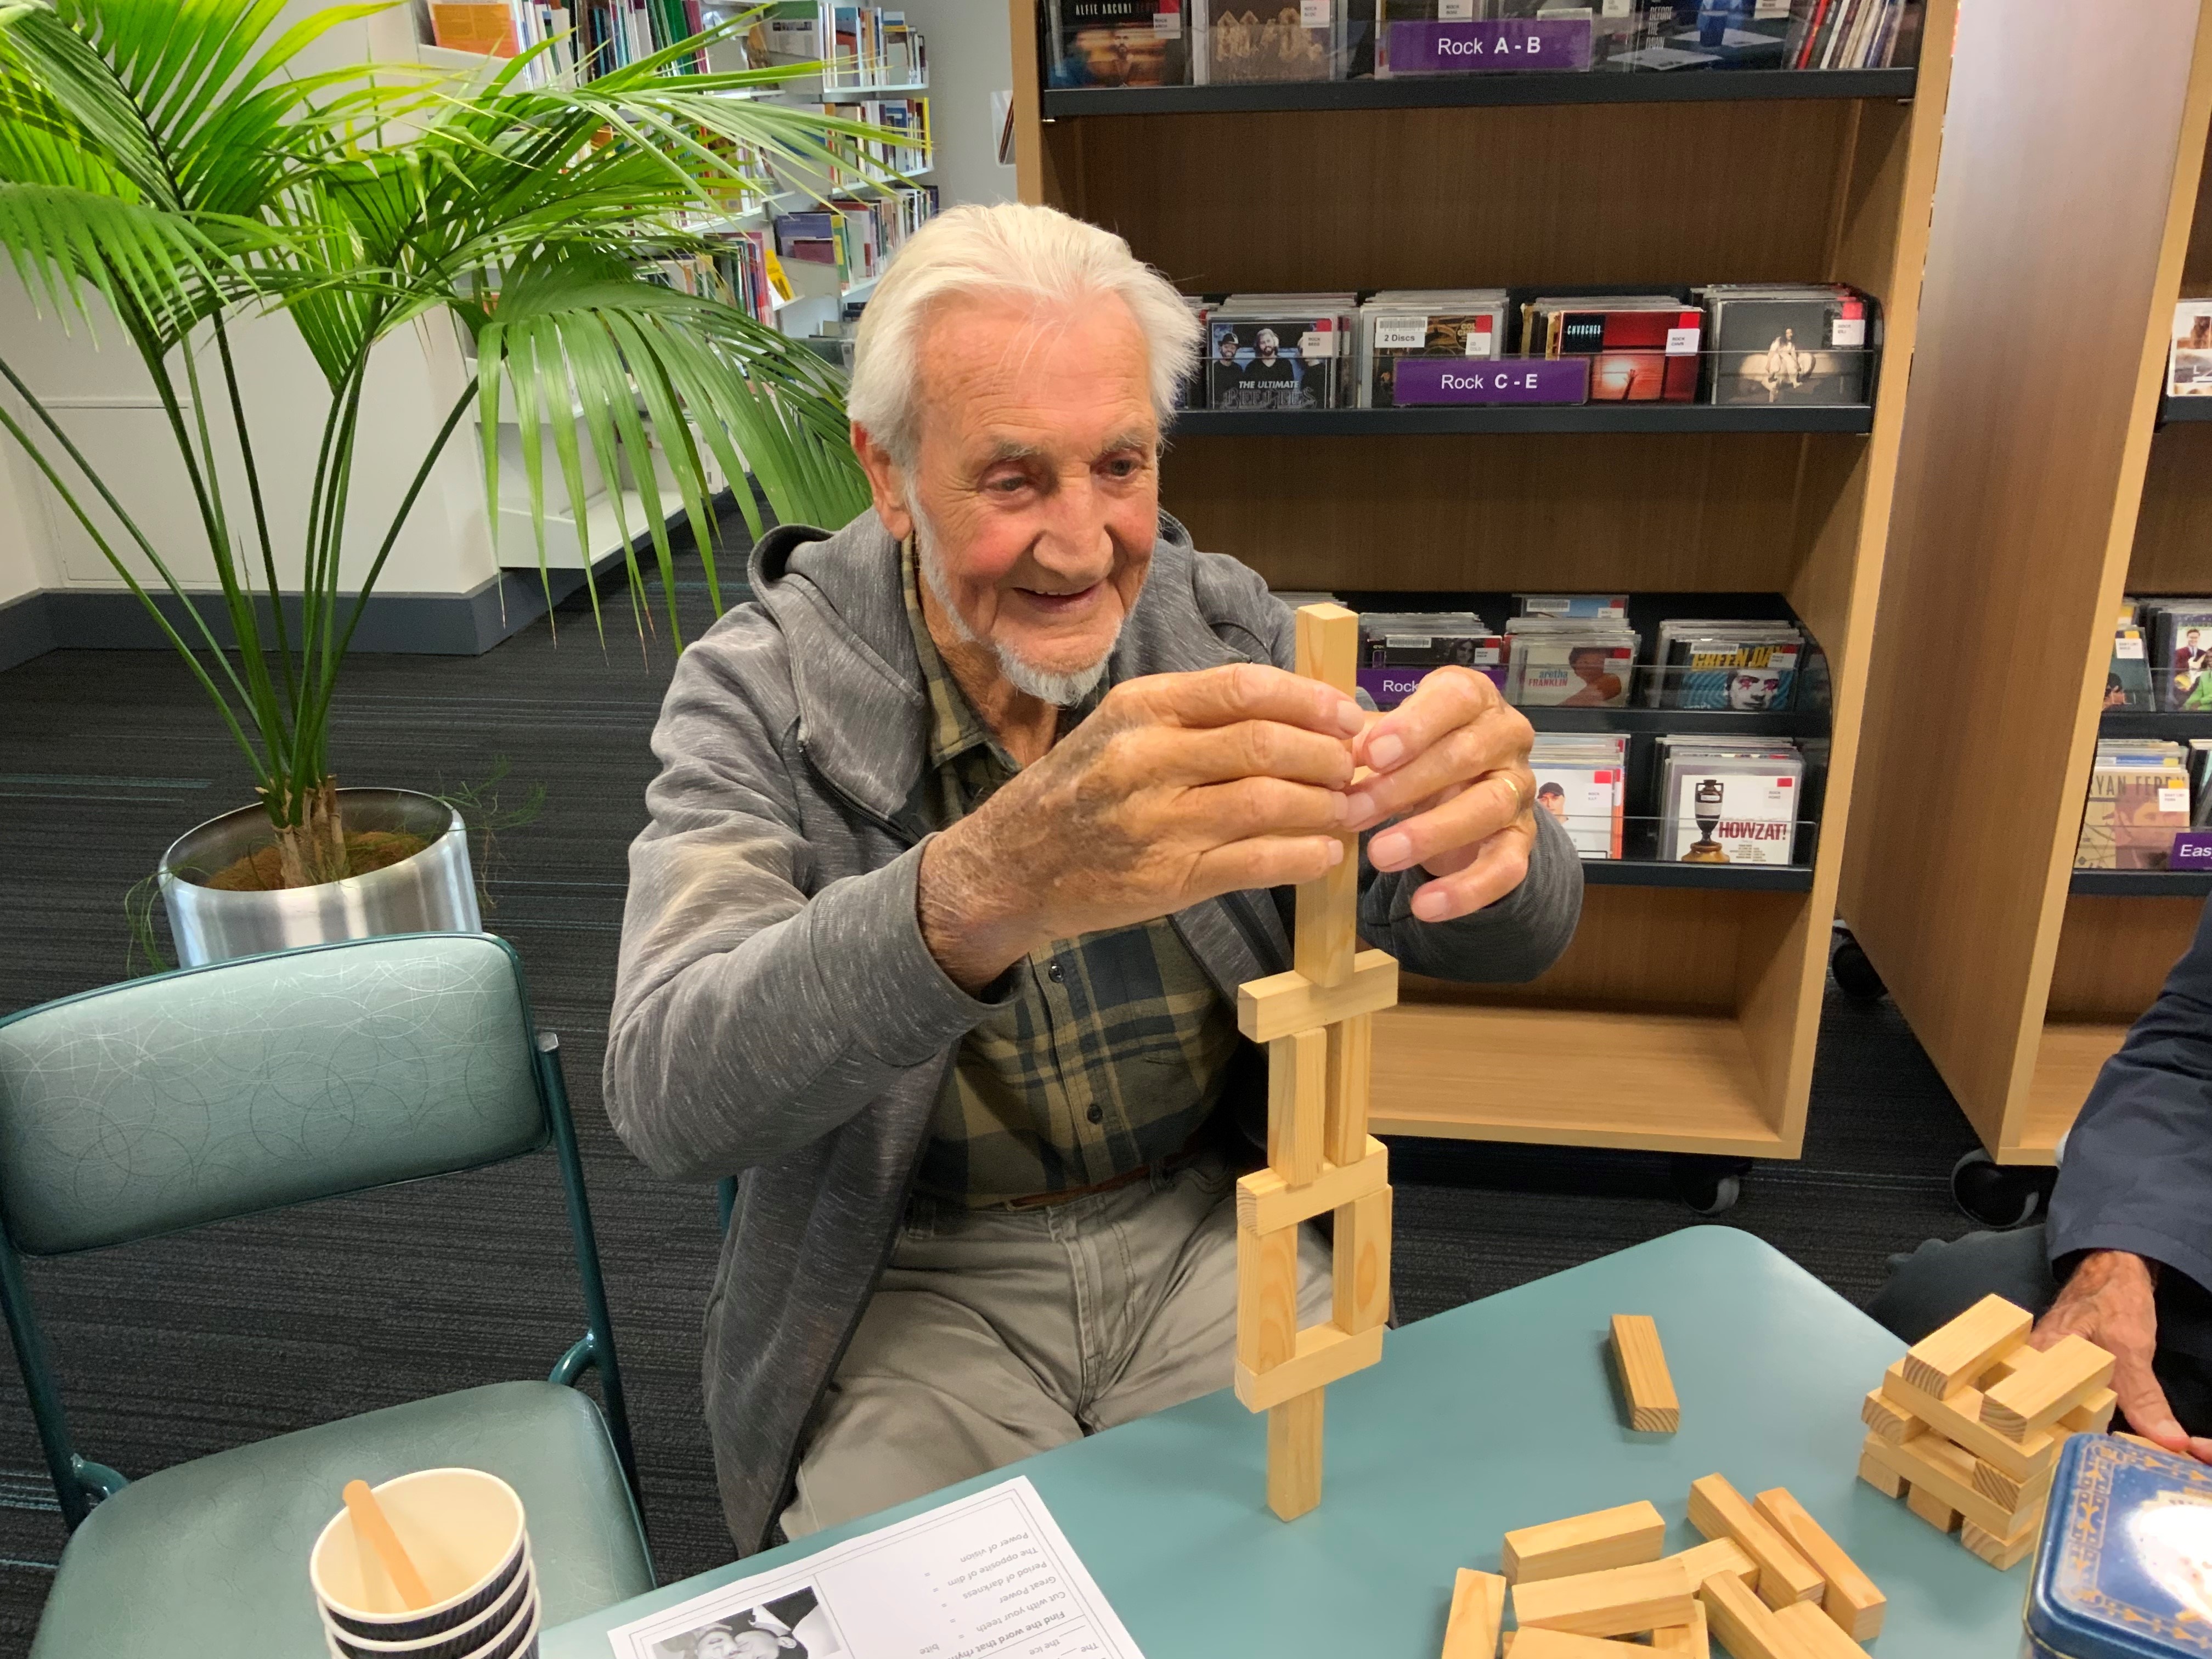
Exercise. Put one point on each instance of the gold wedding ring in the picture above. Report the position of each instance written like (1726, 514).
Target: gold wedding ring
(1506, 778)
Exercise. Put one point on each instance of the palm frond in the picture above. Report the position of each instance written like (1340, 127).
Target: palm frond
(156, 269)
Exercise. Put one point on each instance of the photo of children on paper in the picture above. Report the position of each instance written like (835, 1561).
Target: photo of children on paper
(1274, 365)
(2190, 373)
(792, 1626)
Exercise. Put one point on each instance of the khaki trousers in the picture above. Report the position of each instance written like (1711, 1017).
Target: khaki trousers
(995, 1333)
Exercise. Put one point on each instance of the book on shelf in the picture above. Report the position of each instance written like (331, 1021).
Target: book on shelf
(1643, 347)
(2128, 681)
(2188, 367)
(2139, 795)
(1722, 803)
(1582, 780)
(1788, 343)
(1116, 43)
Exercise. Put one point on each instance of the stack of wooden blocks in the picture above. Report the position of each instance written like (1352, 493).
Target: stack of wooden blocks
(1966, 1427)
(1768, 1583)
(1316, 1021)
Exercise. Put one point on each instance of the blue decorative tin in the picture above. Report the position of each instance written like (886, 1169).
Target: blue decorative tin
(2125, 1567)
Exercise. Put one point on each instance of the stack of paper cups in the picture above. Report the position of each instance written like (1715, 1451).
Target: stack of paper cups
(464, 1531)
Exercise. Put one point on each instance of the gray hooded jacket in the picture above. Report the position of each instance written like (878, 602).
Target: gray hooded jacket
(777, 1017)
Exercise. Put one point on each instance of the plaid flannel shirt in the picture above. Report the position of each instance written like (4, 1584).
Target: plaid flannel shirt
(1116, 1046)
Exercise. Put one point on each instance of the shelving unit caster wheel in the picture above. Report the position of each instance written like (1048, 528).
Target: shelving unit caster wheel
(1855, 974)
(1710, 1186)
(2000, 1194)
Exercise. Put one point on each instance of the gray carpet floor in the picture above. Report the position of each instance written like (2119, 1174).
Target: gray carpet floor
(183, 1346)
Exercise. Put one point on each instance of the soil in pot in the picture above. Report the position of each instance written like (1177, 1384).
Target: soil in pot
(261, 871)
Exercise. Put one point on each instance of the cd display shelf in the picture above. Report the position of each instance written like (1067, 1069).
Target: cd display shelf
(1682, 1017)
(2030, 500)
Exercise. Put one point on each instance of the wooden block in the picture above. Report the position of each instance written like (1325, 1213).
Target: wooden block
(1328, 910)
(1886, 1420)
(1994, 1483)
(1944, 1472)
(2002, 1554)
(1743, 1624)
(1329, 646)
(1267, 1297)
(2046, 1387)
(1294, 1433)
(1882, 1478)
(1642, 1365)
(1717, 1510)
(1298, 1096)
(1815, 1636)
(1538, 1644)
(1958, 1416)
(1351, 1073)
(1702, 1561)
(1283, 1003)
(1618, 1602)
(1361, 1271)
(1266, 1203)
(1689, 1639)
(1963, 1349)
(2092, 1416)
(1850, 1599)
(1323, 1355)
(1932, 1510)
(1621, 1537)
(1478, 1609)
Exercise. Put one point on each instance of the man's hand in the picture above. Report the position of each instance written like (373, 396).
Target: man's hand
(1177, 788)
(1452, 762)
(2110, 1301)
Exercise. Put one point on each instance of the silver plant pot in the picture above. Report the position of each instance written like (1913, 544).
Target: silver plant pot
(433, 891)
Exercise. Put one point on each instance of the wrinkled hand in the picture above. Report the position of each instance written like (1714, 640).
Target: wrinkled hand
(1179, 787)
(2112, 1301)
(1451, 763)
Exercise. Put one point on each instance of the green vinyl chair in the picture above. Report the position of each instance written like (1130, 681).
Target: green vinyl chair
(246, 1086)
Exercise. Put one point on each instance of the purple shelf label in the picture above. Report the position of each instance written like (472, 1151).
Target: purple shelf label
(2192, 850)
(1536, 43)
(1475, 380)
(1391, 686)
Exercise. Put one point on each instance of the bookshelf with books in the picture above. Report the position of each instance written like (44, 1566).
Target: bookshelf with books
(2032, 504)
(1683, 1016)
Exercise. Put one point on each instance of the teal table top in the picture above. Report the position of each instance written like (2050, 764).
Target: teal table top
(1499, 1414)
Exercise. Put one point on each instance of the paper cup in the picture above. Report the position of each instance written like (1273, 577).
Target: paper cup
(458, 1642)
(463, 1530)
(517, 1639)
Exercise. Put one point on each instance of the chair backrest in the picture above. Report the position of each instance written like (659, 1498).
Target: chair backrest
(186, 1097)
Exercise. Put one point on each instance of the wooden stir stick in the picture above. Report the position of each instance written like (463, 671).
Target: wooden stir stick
(370, 1522)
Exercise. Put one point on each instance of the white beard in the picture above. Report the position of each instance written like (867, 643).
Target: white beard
(1063, 690)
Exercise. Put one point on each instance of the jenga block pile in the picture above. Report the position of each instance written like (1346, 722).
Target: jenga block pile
(1966, 1427)
(1769, 1584)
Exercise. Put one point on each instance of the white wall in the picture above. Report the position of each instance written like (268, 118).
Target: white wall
(969, 59)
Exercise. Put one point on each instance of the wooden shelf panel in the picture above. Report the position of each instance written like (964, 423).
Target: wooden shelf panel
(1539, 417)
(1444, 92)
(2067, 1061)
(2142, 883)
(1571, 1077)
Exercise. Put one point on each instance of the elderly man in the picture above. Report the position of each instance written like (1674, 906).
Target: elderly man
(968, 828)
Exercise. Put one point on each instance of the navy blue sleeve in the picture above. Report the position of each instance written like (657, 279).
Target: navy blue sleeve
(2137, 1175)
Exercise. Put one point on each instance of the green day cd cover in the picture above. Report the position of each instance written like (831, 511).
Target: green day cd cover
(2126, 1562)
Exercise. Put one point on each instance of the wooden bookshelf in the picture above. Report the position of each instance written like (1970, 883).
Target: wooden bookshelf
(2036, 487)
(1683, 1016)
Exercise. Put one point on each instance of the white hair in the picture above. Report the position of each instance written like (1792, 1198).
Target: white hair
(1009, 250)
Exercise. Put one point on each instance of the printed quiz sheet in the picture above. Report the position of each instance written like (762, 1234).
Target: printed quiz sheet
(990, 1576)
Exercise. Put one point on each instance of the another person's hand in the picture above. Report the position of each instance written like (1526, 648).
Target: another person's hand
(1451, 762)
(1179, 787)
(2112, 1301)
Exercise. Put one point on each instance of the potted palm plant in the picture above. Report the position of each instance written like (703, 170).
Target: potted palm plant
(173, 161)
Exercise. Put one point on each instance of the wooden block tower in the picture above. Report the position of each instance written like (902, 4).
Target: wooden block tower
(1966, 1427)
(1316, 1021)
